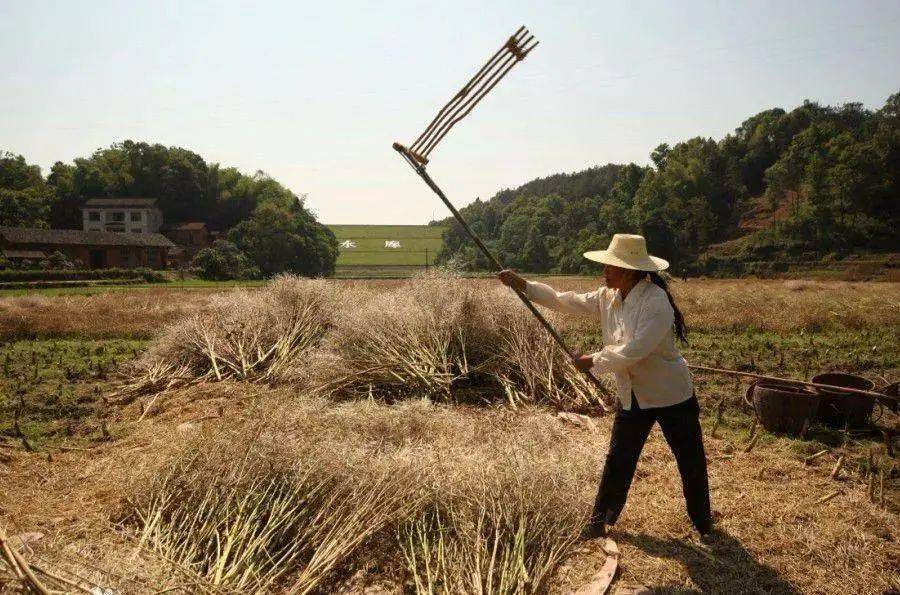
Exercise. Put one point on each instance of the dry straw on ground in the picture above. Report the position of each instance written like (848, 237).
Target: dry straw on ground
(246, 486)
(709, 304)
(455, 499)
(134, 314)
(442, 336)
(268, 336)
(296, 505)
(777, 305)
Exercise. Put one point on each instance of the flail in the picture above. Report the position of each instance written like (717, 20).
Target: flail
(516, 48)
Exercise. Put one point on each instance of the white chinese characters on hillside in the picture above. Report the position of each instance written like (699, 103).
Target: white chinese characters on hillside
(392, 244)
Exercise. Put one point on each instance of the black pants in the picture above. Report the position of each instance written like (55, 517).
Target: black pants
(681, 426)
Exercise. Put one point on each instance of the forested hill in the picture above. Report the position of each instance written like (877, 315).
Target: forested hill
(825, 179)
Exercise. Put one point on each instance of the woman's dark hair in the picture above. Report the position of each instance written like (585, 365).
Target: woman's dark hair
(680, 328)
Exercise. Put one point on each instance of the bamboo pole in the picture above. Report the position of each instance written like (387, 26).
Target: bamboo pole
(856, 391)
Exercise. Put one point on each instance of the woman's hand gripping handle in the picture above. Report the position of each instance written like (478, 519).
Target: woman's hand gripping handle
(512, 279)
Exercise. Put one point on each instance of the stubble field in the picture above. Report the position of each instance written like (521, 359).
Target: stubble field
(403, 436)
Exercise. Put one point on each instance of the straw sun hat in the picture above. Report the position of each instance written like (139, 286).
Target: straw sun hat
(629, 252)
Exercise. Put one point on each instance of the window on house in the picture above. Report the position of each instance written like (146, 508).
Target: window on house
(117, 217)
(135, 215)
(93, 215)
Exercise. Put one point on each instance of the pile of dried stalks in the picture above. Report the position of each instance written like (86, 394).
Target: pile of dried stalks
(438, 336)
(262, 336)
(442, 336)
(257, 510)
(244, 518)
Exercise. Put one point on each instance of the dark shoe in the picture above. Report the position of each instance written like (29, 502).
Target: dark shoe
(593, 531)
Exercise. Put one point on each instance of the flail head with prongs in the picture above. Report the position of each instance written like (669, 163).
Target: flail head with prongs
(513, 51)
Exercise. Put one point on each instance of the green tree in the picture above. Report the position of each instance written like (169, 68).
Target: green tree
(286, 239)
(223, 261)
(659, 155)
(535, 257)
(25, 198)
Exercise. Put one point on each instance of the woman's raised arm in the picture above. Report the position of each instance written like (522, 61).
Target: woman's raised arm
(584, 304)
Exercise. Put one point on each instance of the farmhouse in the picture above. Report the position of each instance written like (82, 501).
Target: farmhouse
(134, 215)
(93, 249)
(191, 235)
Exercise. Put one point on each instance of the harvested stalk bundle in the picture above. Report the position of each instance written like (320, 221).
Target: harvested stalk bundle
(259, 336)
(248, 518)
(532, 369)
(409, 341)
(300, 501)
(497, 534)
(437, 336)
(441, 336)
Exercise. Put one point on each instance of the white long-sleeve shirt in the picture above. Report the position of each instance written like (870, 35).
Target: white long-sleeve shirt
(638, 337)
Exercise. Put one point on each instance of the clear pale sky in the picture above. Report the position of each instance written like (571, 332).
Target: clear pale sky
(314, 93)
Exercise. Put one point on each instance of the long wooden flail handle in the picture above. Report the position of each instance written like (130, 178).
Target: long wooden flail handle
(856, 391)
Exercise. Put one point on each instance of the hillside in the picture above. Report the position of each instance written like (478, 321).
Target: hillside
(814, 182)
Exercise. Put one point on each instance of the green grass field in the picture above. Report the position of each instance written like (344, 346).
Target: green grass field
(416, 242)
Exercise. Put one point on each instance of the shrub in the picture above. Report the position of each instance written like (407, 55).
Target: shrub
(223, 261)
(59, 260)
(23, 275)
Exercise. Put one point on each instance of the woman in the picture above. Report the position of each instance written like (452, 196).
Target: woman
(640, 321)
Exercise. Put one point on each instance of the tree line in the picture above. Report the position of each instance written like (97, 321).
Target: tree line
(827, 178)
(266, 228)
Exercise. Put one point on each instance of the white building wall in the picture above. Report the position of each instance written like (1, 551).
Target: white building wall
(122, 220)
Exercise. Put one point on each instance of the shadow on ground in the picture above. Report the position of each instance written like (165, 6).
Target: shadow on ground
(727, 567)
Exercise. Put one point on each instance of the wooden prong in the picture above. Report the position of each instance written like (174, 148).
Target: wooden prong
(513, 50)
(837, 467)
(419, 158)
(752, 442)
(813, 457)
(827, 497)
(527, 51)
